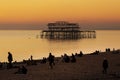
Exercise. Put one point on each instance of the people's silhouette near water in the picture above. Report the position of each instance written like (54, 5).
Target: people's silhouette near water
(31, 57)
(107, 49)
(66, 58)
(105, 66)
(44, 60)
(51, 60)
(10, 59)
(81, 54)
(73, 59)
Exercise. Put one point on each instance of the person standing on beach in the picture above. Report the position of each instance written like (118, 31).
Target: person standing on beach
(105, 66)
(31, 57)
(51, 60)
(10, 59)
(73, 59)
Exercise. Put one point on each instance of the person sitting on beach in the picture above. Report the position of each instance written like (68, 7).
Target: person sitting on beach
(66, 58)
(21, 70)
(51, 60)
(73, 59)
(44, 60)
(81, 54)
(107, 49)
(105, 66)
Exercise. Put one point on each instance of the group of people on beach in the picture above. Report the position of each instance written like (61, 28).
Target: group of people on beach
(68, 59)
(21, 69)
(51, 59)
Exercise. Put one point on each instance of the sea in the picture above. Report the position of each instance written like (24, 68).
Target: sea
(24, 43)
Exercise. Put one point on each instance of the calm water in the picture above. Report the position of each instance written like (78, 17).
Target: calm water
(23, 43)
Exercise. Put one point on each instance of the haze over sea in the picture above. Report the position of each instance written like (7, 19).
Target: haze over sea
(24, 43)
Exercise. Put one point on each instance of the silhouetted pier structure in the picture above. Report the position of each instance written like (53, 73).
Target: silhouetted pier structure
(66, 30)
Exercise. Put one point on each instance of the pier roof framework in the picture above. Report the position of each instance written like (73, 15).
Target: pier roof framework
(63, 25)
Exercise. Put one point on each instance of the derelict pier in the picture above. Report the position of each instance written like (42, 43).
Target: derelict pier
(66, 30)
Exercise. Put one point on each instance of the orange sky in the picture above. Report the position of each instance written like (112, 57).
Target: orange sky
(40, 11)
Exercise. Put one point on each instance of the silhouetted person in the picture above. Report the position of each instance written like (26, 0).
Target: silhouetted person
(10, 59)
(96, 52)
(81, 54)
(66, 58)
(73, 59)
(51, 60)
(31, 57)
(107, 49)
(105, 66)
(76, 54)
(44, 60)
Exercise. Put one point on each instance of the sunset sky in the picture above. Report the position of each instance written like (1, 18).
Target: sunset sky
(40, 12)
